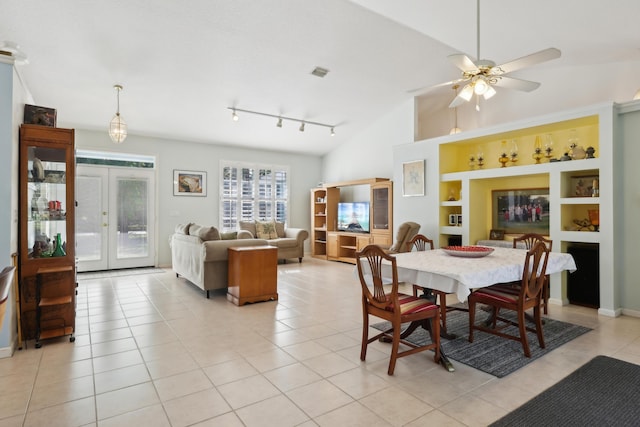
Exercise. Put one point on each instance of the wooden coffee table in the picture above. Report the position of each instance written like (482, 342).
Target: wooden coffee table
(253, 274)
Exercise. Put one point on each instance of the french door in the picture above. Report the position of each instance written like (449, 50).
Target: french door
(114, 217)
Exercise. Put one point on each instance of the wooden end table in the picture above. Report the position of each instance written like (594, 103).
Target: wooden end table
(253, 274)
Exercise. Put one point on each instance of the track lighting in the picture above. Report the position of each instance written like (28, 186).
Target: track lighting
(303, 123)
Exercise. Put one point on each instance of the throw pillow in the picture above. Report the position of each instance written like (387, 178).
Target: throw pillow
(280, 229)
(230, 235)
(266, 230)
(204, 233)
(249, 226)
(183, 228)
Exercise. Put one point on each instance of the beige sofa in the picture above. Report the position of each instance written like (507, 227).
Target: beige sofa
(199, 254)
(289, 241)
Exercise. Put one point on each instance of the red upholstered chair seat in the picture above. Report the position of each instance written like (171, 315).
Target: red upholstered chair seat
(412, 305)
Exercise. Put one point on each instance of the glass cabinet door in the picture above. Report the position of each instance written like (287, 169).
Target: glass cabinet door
(380, 209)
(46, 202)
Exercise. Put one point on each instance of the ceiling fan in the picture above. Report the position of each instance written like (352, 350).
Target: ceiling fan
(482, 75)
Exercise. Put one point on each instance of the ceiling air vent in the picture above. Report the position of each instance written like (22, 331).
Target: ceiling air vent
(319, 72)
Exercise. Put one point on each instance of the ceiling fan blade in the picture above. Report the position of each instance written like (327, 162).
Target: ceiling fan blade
(526, 61)
(421, 90)
(463, 62)
(517, 84)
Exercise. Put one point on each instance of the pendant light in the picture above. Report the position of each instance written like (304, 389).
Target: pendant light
(118, 127)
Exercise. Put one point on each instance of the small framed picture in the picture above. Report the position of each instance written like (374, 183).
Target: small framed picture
(496, 234)
(584, 186)
(189, 183)
(413, 178)
(453, 219)
(459, 220)
(43, 116)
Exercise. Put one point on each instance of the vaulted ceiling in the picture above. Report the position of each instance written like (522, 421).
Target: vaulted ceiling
(182, 64)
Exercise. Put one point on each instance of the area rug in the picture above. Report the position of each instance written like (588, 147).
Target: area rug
(489, 353)
(119, 273)
(602, 392)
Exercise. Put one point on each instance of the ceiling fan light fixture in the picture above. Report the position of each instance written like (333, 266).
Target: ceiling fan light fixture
(480, 86)
(489, 92)
(466, 93)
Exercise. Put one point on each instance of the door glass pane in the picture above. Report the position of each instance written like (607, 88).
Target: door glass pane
(381, 209)
(89, 218)
(47, 197)
(132, 205)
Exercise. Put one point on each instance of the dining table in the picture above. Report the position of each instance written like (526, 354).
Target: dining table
(453, 272)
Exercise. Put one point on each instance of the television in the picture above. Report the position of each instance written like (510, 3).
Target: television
(353, 217)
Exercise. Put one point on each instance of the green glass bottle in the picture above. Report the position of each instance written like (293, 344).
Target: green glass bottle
(59, 251)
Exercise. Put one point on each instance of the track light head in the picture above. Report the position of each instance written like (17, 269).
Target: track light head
(234, 116)
(279, 124)
(302, 127)
(333, 132)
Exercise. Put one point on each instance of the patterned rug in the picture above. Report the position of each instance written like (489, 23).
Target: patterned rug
(489, 353)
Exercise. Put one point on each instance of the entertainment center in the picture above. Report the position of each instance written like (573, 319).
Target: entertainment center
(340, 228)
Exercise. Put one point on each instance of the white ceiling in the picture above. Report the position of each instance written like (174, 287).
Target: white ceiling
(183, 63)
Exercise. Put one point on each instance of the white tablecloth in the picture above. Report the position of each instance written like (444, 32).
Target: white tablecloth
(438, 270)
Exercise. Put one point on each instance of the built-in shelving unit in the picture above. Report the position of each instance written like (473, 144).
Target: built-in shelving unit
(466, 189)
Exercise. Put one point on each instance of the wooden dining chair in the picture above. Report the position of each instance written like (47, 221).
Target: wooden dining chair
(529, 240)
(395, 307)
(533, 279)
(421, 243)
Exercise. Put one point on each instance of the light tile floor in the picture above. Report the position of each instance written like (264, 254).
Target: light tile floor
(151, 350)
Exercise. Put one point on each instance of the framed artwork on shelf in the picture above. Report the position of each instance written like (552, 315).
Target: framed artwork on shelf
(413, 178)
(521, 211)
(496, 234)
(43, 116)
(189, 183)
(585, 186)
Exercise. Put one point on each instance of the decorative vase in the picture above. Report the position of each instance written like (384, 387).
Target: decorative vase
(58, 251)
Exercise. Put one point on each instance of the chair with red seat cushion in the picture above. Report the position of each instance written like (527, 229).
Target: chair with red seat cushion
(529, 240)
(421, 243)
(528, 296)
(381, 298)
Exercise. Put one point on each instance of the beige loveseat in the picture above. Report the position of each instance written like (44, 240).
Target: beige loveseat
(199, 254)
(289, 241)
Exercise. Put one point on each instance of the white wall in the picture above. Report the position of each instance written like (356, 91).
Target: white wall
(305, 173)
(630, 199)
(369, 154)
(12, 99)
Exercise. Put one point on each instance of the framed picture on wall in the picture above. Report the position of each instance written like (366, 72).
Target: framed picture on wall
(413, 178)
(189, 183)
(521, 211)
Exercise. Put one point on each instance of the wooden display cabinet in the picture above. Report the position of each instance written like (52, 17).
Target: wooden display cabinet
(328, 242)
(47, 270)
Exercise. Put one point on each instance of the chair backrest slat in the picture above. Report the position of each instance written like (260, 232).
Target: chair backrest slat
(420, 242)
(533, 275)
(373, 262)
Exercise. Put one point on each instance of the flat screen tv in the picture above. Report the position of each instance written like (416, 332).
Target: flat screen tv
(353, 217)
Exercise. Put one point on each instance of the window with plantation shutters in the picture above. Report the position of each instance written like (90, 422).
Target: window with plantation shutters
(252, 192)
